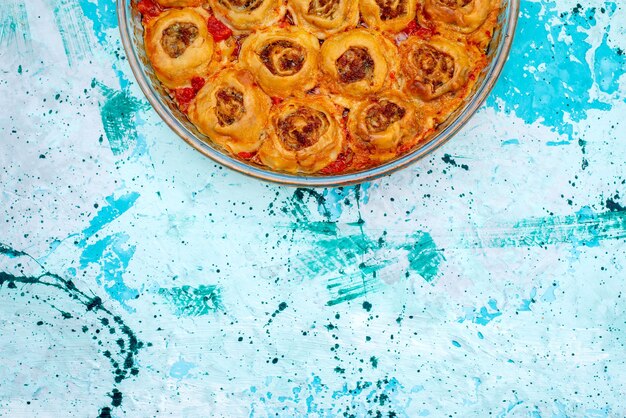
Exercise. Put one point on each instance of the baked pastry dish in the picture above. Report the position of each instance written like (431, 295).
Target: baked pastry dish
(317, 86)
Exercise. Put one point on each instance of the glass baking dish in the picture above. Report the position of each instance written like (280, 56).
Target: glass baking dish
(132, 38)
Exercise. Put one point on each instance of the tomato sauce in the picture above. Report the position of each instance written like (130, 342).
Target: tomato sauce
(218, 30)
(185, 95)
(414, 29)
(149, 9)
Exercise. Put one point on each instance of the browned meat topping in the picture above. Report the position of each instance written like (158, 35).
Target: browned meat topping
(177, 38)
(355, 65)
(302, 128)
(229, 106)
(391, 9)
(283, 57)
(434, 66)
(381, 114)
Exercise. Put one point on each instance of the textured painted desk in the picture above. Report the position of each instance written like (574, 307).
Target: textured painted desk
(140, 279)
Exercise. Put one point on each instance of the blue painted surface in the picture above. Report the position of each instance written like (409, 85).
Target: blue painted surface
(142, 279)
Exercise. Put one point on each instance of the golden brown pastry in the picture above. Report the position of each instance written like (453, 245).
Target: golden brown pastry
(248, 15)
(303, 135)
(283, 61)
(357, 63)
(460, 15)
(380, 123)
(231, 110)
(318, 91)
(324, 17)
(481, 38)
(179, 46)
(180, 3)
(388, 15)
(433, 67)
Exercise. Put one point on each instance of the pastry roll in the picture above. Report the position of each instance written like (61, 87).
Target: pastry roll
(461, 15)
(180, 3)
(324, 17)
(357, 62)
(179, 46)
(303, 135)
(248, 15)
(388, 15)
(231, 110)
(383, 121)
(433, 67)
(284, 61)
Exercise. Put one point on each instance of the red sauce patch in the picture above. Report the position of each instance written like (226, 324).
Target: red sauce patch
(411, 28)
(403, 149)
(218, 30)
(340, 165)
(148, 9)
(277, 100)
(246, 155)
(414, 29)
(197, 83)
(185, 95)
(283, 23)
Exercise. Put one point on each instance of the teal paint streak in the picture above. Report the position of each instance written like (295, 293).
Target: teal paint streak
(118, 112)
(70, 22)
(193, 301)
(353, 286)
(112, 253)
(330, 202)
(321, 228)
(297, 205)
(423, 255)
(343, 257)
(564, 85)
(557, 143)
(356, 262)
(335, 254)
(103, 16)
(585, 228)
(114, 208)
(338, 197)
(609, 65)
(15, 33)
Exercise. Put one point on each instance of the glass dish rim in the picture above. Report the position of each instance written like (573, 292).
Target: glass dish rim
(303, 180)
